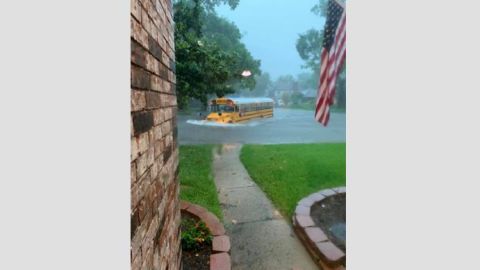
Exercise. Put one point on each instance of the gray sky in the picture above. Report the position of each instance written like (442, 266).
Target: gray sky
(271, 28)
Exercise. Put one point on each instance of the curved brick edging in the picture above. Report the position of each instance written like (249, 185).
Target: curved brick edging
(220, 257)
(324, 252)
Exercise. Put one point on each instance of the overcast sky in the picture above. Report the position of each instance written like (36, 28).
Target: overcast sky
(271, 28)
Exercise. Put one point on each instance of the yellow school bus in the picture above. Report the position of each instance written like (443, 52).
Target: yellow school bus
(233, 110)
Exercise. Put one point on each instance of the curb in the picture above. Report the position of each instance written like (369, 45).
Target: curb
(326, 254)
(220, 257)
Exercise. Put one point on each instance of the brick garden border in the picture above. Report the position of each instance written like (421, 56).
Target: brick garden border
(220, 257)
(326, 254)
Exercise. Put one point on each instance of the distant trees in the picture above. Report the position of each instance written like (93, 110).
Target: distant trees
(285, 82)
(309, 45)
(210, 56)
(307, 80)
(228, 37)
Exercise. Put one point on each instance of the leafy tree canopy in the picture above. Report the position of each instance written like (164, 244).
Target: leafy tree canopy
(309, 45)
(209, 54)
(320, 8)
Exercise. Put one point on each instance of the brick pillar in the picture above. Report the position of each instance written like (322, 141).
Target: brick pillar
(155, 211)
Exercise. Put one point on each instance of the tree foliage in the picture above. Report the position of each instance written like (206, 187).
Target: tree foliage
(210, 4)
(320, 8)
(285, 83)
(263, 84)
(307, 80)
(309, 46)
(228, 37)
(209, 54)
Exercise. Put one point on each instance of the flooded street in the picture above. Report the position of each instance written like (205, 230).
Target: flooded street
(286, 126)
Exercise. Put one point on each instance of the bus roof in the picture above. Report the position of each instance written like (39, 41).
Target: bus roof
(242, 100)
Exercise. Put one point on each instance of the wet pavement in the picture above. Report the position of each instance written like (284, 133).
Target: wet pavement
(286, 126)
(261, 238)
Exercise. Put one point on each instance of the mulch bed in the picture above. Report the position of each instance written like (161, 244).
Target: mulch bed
(330, 215)
(197, 259)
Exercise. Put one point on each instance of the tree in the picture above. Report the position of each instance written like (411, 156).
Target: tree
(307, 80)
(285, 98)
(228, 37)
(320, 8)
(285, 83)
(203, 65)
(210, 4)
(309, 47)
(296, 98)
(263, 84)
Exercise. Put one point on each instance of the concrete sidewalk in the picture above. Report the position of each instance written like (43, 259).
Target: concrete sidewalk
(261, 238)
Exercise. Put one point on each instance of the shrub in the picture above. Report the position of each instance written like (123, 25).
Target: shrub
(195, 234)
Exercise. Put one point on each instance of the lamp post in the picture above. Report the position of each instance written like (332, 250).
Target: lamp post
(246, 73)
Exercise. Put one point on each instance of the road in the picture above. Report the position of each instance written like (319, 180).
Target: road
(286, 126)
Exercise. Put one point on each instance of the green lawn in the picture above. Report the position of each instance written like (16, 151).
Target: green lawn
(196, 179)
(289, 172)
(311, 107)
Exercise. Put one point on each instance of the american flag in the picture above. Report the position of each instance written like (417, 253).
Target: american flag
(331, 58)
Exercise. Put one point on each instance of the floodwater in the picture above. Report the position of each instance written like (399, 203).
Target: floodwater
(286, 126)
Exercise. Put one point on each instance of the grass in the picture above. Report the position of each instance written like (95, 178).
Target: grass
(311, 107)
(196, 178)
(289, 172)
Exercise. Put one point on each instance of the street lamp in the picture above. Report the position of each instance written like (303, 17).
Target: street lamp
(246, 73)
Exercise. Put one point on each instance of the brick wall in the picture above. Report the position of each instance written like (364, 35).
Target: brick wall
(155, 212)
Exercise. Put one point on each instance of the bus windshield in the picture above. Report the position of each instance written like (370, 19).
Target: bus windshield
(221, 108)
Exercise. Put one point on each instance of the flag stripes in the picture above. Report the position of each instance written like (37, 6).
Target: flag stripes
(332, 55)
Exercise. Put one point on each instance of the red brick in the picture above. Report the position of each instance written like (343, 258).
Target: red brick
(152, 64)
(136, 10)
(133, 148)
(146, 23)
(138, 54)
(158, 116)
(156, 83)
(168, 114)
(155, 203)
(143, 142)
(220, 261)
(316, 234)
(166, 127)
(133, 173)
(157, 132)
(221, 243)
(331, 252)
(153, 100)
(158, 146)
(142, 164)
(140, 78)
(196, 210)
(184, 205)
(138, 101)
(139, 34)
(304, 221)
(213, 224)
